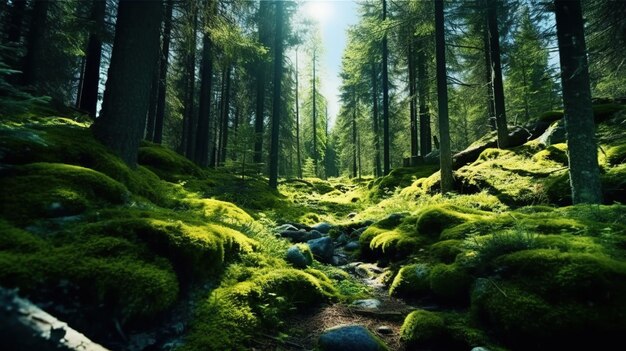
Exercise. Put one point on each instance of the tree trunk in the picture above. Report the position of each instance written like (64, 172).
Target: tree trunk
(354, 146)
(579, 124)
(165, 53)
(491, 113)
(152, 106)
(299, 156)
(204, 109)
(376, 119)
(314, 118)
(16, 22)
(442, 97)
(412, 103)
(276, 105)
(225, 115)
(32, 72)
(259, 118)
(133, 60)
(422, 78)
(189, 118)
(386, 159)
(91, 80)
(496, 75)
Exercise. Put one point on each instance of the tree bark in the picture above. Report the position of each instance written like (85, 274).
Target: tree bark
(354, 145)
(133, 60)
(386, 159)
(491, 113)
(16, 22)
(276, 106)
(299, 156)
(579, 123)
(165, 54)
(445, 158)
(152, 106)
(496, 74)
(32, 71)
(424, 123)
(259, 118)
(314, 118)
(204, 109)
(91, 80)
(225, 115)
(412, 102)
(189, 117)
(376, 119)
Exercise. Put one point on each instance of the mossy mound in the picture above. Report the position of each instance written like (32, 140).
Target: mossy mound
(44, 190)
(395, 243)
(555, 153)
(411, 281)
(558, 191)
(433, 220)
(446, 251)
(398, 178)
(422, 328)
(450, 283)
(166, 163)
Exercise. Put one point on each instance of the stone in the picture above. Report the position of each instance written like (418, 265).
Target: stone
(323, 227)
(554, 134)
(351, 246)
(297, 258)
(322, 249)
(285, 227)
(350, 338)
(384, 329)
(357, 232)
(352, 214)
(367, 303)
(432, 158)
(342, 239)
(339, 260)
(480, 348)
(300, 236)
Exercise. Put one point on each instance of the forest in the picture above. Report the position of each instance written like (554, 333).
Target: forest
(205, 175)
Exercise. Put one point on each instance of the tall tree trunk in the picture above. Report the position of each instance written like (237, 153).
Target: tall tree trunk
(204, 109)
(91, 81)
(299, 156)
(496, 75)
(354, 159)
(225, 115)
(579, 125)
(445, 158)
(153, 105)
(259, 118)
(190, 121)
(133, 60)
(424, 123)
(412, 103)
(32, 72)
(386, 158)
(314, 117)
(165, 54)
(376, 119)
(491, 112)
(276, 105)
(16, 22)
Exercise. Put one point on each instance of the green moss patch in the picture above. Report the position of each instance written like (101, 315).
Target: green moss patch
(166, 163)
(398, 178)
(411, 281)
(422, 328)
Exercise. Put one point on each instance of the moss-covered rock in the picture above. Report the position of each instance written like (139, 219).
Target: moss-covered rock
(43, 190)
(555, 153)
(432, 220)
(558, 189)
(422, 328)
(398, 178)
(166, 163)
(446, 251)
(616, 155)
(411, 281)
(450, 283)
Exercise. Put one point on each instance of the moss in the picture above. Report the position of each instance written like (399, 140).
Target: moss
(446, 251)
(232, 315)
(616, 155)
(422, 328)
(166, 163)
(613, 186)
(433, 220)
(556, 153)
(477, 227)
(450, 283)
(44, 190)
(399, 178)
(219, 211)
(411, 281)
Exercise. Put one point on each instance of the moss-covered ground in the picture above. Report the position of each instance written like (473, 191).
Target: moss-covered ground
(505, 262)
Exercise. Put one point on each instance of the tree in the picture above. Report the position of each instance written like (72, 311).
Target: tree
(91, 81)
(206, 81)
(32, 70)
(496, 74)
(276, 106)
(445, 154)
(133, 60)
(164, 64)
(386, 159)
(299, 156)
(189, 117)
(259, 119)
(579, 125)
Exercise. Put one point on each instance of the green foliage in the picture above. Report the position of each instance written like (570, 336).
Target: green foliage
(433, 220)
(450, 282)
(166, 163)
(446, 251)
(422, 328)
(411, 281)
(398, 178)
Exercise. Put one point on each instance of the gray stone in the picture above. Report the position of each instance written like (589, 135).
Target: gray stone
(357, 232)
(367, 303)
(480, 348)
(351, 246)
(339, 260)
(384, 329)
(352, 214)
(432, 158)
(285, 227)
(342, 239)
(297, 258)
(323, 227)
(554, 134)
(350, 338)
(300, 236)
(322, 249)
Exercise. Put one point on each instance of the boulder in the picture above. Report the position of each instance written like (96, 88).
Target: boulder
(322, 249)
(323, 227)
(350, 338)
(357, 232)
(298, 256)
(351, 246)
(298, 236)
(352, 214)
(285, 227)
(367, 304)
(384, 329)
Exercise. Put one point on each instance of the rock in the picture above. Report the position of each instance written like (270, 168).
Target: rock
(480, 348)
(351, 246)
(384, 329)
(298, 257)
(432, 158)
(363, 272)
(352, 214)
(357, 232)
(342, 239)
(285, 227)
(554, 134)
(301, 236)
(322, 249)
(349, 338)
(367, 303)
(339, 260)
(323, 227)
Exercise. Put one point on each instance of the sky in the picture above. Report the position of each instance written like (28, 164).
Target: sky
(334, 17)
